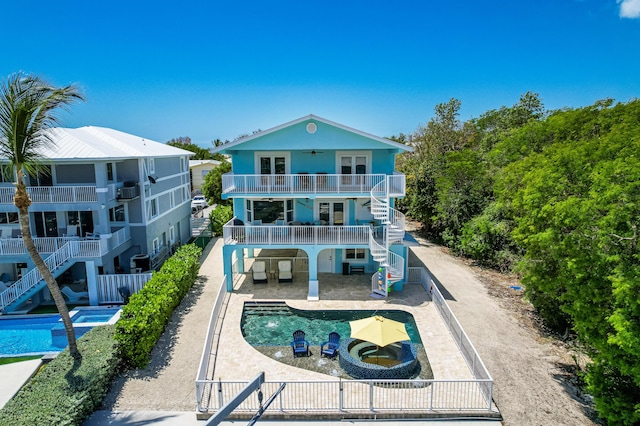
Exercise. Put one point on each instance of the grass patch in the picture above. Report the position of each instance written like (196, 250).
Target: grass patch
(12, 359)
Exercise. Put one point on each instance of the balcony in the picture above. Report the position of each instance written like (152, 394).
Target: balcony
(95, 246)
(53, 194)
(303, 184)
(266, 235)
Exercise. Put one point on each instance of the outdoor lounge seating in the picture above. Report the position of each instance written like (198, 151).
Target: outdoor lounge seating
(74, 296)
(300, 344)
(330, 347)
(259, 272)
(284, 271)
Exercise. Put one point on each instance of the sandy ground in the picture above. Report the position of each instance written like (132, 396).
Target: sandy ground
(529, 369)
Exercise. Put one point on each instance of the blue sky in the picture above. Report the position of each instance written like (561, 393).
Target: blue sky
(219, 69)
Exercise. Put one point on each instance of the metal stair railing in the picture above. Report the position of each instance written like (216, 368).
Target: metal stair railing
(394, 225)
(72, 249)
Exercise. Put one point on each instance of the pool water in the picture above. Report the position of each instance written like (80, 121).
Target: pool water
(265, 324)
(43, 334)
(93, 315)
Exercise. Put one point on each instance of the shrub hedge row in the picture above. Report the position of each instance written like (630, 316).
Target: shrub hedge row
(144, 318)
(66, 391)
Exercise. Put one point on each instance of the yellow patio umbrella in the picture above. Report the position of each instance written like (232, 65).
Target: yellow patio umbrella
(378, 330)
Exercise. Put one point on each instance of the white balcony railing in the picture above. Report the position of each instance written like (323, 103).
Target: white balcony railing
(52, 194)
(45, 245)
(291, 235)
(234, 184)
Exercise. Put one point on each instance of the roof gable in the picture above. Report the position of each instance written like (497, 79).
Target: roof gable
(309, 133)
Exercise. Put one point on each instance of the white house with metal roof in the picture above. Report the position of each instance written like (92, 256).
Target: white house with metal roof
(107, 204)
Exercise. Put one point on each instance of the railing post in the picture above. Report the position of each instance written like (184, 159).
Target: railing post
(341, 395)
(371, 395)
(433, 391)
(220, 398)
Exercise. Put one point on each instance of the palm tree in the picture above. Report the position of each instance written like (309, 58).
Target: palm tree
(27, 106)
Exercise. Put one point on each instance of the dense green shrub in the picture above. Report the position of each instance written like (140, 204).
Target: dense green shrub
(66, 391)
(219, 216)
(144, 318)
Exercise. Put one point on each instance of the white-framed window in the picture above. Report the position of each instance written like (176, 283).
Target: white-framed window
(116, 214)
(270, 211)
(110, 175)
(11, 217)
(172, 236)
(331, 212)
(205, 173)
(272, 163)
(151, 165)
(356, 254)
(152, 208)
(350, 164)
(172, 200)
(156, 246)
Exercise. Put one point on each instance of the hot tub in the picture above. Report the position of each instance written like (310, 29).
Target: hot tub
(364, 360)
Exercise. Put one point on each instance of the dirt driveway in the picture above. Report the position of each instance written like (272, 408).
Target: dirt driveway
(528, 368)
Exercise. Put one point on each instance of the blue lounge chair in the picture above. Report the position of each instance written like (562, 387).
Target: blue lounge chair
(332, 345)
(300, 345)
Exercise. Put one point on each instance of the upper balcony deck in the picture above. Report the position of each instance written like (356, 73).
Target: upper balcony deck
(53, 194)
(309, 185)
(90, 247)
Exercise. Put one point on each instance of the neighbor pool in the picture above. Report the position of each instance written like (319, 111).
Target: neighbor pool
(43, 334)
(273, 324)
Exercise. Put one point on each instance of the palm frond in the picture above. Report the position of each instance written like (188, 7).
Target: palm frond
(28, 107)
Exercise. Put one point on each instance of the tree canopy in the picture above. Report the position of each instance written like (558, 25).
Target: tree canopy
(555, 197)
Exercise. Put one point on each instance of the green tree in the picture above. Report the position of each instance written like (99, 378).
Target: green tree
(184, 142)
(576, 204)
(212, 186)
(27, 109)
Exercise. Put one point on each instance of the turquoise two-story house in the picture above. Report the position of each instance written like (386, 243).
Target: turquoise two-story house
(323, 188)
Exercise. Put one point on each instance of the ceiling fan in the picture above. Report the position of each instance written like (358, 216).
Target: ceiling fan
(313, 152)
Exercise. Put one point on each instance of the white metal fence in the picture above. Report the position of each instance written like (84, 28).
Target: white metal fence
(410, 396)
(108, 286)
(422, 276)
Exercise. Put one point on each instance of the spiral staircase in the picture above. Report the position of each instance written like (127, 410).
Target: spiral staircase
(393, 225)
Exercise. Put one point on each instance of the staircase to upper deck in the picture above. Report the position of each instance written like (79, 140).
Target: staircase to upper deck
(393, 222)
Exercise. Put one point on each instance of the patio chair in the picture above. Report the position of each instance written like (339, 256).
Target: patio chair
(330, 347)
(259, 272)
(284, 271)
(72, 231)
(74, 296)
(300, 344)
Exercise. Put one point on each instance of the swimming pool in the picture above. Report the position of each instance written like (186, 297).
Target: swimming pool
(44, 334)
(273, 323)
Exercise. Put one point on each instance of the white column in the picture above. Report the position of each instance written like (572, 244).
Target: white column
(92, 282)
